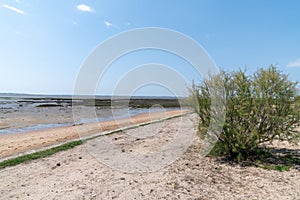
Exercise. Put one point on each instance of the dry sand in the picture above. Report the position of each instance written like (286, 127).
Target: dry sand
(75, 174)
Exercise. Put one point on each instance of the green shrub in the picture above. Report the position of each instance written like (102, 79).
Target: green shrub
(259, 108)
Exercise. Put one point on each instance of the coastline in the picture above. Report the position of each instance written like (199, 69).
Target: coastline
(15, 144)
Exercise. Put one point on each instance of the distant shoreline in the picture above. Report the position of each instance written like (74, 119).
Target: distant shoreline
(69, 100)
(70, 96)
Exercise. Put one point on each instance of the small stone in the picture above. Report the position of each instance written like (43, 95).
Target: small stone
(58, 164)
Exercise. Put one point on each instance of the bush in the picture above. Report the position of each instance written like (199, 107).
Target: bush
(259, 109)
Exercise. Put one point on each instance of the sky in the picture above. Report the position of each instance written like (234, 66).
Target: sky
(43, 43)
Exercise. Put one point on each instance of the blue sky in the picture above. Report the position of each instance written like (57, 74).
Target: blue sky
(44, 42)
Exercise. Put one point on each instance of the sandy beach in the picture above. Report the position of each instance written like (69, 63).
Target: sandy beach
(75, 174)
(12, 144)
(150, 100)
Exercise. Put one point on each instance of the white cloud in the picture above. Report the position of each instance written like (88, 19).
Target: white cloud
(13, 9)
(85, 8)
(107, 24)
(295, 63)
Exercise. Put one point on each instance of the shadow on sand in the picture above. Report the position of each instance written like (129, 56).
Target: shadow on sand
(270, 158)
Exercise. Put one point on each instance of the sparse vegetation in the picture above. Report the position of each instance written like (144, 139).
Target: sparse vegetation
(259, 108)
(40, 154)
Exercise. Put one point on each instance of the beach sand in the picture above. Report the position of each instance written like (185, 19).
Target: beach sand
(76, 174)
(12, 144)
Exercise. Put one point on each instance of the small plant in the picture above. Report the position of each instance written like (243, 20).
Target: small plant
(259, 109)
